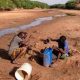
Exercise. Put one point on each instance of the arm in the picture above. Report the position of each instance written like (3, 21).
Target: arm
(54, 39)
(62, 51)
(59, 49)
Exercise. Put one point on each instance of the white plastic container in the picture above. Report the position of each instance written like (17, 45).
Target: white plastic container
(27, 69)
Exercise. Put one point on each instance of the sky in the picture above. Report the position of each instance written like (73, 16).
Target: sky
(51, 2)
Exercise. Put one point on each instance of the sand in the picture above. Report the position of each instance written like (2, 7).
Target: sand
(20, 17)
(69, 25)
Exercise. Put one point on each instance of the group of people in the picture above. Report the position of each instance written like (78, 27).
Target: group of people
(18, 47)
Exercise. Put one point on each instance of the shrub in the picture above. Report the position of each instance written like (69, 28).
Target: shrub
(20, 3)
(71, 4)
(58, 6)
(6, 5)
(34, 4)
(40, 4)
(26, 4)
(17, 3)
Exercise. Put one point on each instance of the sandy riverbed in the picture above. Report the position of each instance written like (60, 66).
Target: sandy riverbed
(68, 25)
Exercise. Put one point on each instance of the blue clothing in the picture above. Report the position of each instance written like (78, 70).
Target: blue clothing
(66, 48)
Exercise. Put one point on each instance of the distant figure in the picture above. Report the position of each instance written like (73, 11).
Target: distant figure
(17, 46)
(63, 48)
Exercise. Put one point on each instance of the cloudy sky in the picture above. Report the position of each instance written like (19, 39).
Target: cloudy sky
(50, 2)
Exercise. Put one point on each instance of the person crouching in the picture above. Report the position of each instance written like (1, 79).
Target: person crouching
(63, 48)
(17, 46)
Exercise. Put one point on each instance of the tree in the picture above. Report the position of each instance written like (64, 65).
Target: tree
(71, 4)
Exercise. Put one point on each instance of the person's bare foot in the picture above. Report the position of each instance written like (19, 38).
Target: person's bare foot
(13, 62)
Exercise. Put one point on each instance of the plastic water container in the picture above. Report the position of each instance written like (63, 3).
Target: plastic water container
(47, 59)
(27, 69)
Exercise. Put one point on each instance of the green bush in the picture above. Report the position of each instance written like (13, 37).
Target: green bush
(71, 4)
(26, 4)
(58, 6)
(34, 4)
(40, 4)
(20, 3)
(17, 3)
(6, 5)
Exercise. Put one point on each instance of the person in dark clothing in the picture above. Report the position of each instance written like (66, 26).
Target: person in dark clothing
(62, 50)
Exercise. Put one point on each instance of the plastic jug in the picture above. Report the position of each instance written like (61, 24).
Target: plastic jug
(47, 59)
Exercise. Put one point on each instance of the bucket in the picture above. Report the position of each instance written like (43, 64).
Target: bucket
(24, 72)
(47, 59)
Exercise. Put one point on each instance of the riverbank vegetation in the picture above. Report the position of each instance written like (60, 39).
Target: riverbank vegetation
(25, 4)
(72, 4)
